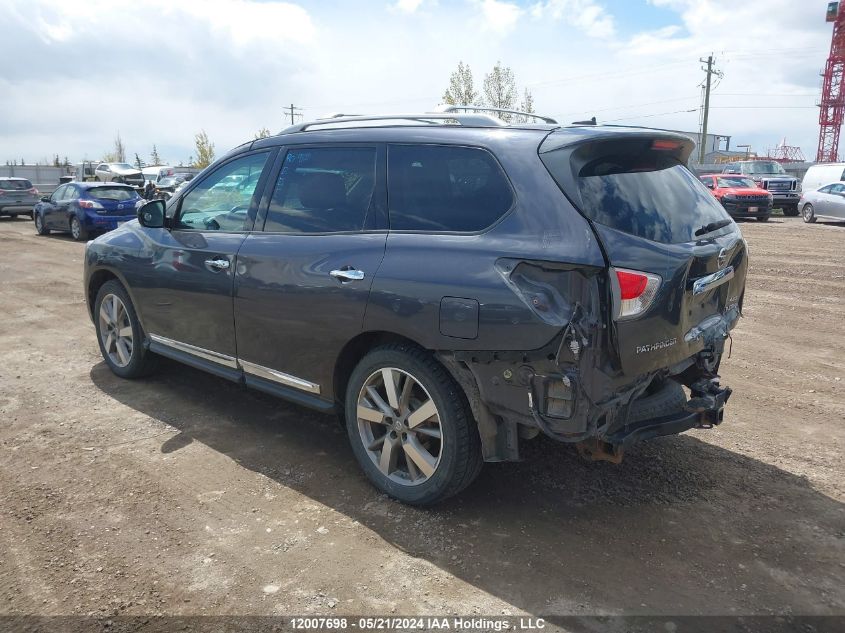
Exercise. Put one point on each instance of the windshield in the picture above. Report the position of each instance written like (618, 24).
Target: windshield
(762, 167)
(735, 181)
(121, 166)
(117, 194)
(15, 185)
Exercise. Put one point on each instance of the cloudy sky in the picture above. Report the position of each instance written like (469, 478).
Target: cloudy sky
(157, 71)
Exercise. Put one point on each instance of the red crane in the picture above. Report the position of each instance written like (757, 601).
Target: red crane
(832, 105)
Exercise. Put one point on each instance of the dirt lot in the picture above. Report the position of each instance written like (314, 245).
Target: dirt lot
(185, 494)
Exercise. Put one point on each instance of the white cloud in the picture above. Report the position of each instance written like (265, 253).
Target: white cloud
(406, 6)
(585, 15)
(499, 16)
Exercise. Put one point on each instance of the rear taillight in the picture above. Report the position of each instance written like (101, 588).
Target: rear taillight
(633, 292)
(90, 204)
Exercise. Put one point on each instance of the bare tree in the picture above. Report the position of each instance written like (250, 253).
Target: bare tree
(461, 90)
(500, 89)
(205, 150)
(118, 154)
(262, 133)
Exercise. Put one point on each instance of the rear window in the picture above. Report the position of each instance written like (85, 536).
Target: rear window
(15, 185)
(117, 194)
(630, 187)
(443, 188)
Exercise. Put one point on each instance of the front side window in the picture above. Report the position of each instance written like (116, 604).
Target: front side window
(443, 188)
(58, 193)
(222, 201)
(323, 190)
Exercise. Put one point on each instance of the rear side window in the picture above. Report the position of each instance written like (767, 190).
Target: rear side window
(323, 190)
(443, 188)
(15, 185)
(118, 194)
(631, 187)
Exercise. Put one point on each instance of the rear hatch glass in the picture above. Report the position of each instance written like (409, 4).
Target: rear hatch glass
(112, 194)
(15, 185)
(633, 187)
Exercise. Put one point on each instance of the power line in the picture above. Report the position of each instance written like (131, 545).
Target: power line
(292, 111)
(649, 116)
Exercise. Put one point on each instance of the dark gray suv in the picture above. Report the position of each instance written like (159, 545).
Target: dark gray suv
(450, 285)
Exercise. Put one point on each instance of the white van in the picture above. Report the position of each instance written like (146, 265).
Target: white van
(823, 174)
(157, 173)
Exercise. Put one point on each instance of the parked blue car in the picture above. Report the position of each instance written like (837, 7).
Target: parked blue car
(82, 208)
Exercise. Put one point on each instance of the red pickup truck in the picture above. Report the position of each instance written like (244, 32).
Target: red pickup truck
(740, 196)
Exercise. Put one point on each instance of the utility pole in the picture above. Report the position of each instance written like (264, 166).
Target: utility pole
(293, 112)
(702, 146)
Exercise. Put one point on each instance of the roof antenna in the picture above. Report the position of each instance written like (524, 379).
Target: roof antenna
(588, 122)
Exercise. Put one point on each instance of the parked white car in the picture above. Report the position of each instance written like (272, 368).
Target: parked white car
(119, 172)
(155, 174)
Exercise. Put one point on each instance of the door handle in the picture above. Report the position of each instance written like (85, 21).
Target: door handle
(347, 273)
(217, 264)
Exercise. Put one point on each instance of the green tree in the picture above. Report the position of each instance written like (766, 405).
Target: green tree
(205, 150)
(500, 89)
(527, 105)
(155, 159)
(262, 133)
(138, 162)
(461, 90)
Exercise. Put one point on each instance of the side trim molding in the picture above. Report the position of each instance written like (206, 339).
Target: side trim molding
(279, 377)
(207, 354)
(234, 363)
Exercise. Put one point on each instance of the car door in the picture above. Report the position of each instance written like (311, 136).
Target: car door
(303, 281)
(184, 286)
(836, 206)
(52, 211)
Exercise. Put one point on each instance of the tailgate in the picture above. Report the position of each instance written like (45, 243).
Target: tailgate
(676, 260)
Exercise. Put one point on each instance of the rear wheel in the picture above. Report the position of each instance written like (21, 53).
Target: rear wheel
(410, 426)
(808, 213)
(77, 231)
(791, 211)
(119, 333)
(39, 225)
(763, 218)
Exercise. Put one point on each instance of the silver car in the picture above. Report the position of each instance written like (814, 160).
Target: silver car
(17, 196)
(826, 203)
(119, 172)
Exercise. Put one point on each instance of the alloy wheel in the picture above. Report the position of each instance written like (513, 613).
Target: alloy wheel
(75, 228)
(399, 425)
(38, 222)
(808, 212)
(116, 330)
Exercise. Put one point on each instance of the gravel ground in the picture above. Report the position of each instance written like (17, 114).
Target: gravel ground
(185, 494)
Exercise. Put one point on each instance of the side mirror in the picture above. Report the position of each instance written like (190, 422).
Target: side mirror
(710, 185)
(45, 198)
(151, 214)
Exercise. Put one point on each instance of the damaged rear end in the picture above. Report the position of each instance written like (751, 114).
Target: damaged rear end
(655, 319)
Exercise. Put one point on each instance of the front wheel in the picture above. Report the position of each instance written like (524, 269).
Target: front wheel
(763, 218)
(39, 225)
(808, 213)
(410, 426)
(119, 333)
(77, 231)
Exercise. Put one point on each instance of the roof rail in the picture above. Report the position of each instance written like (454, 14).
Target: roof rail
(457, 108)
(427, 118)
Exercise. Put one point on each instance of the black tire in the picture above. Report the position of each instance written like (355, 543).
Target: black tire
(666, 400)
(39, 225)
(808, 213)
(460, 452)
(142, 362)
(77, 231)
(791, 212)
